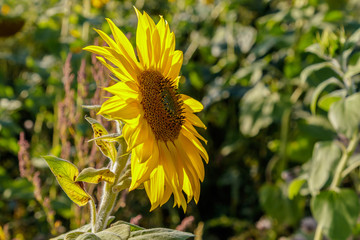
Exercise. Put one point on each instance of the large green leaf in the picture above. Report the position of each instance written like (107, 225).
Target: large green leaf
(66, 173)
(104, 235)
(336, 212)
(344, 115)
(160, 234)
(88, 236)
(121, 230)
(325, 157)
(75, 232)
(133, 227)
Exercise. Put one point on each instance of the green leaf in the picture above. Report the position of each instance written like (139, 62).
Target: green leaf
(106, 147)
(316, 49)
(295, 187)
(344, 115)
(275, 202)
(353, 163)
(160, 234)
(326, 101)
(257, 107)
(73, 235)
(320, 88)
(104, 235)
(336, 212)
(133, 227)
(85, 228)
(92, 175)
(88, 236)
(353, 70)
(353, 40)
(121, 230)
(316, 67)
(66, 173)
(324, 160)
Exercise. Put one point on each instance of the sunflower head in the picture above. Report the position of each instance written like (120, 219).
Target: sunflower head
(167, 155)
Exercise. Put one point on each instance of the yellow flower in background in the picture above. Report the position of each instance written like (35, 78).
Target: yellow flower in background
(167, 156)
(99, 3)
(5, 9)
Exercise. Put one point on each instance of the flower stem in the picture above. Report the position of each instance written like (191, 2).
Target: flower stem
(93, 214)
(318, 232)
(109, 197)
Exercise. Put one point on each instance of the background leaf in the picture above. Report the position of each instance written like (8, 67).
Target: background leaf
(325, 157)
(337, 212)
(344, 115)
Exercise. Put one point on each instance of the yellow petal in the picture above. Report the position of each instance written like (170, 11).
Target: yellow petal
(194, 120)
(193, 104)
(123, 90)
(123, 43)
(176, 64)
(116, 107)
(189, 127)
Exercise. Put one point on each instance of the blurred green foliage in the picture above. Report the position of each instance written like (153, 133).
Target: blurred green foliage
(279, 81)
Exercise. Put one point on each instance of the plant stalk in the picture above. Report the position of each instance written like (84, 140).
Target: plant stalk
(318, 232)
(109, 197)
(343, 161)
(93, 214)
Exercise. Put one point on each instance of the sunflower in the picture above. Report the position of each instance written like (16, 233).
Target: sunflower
(166, 152)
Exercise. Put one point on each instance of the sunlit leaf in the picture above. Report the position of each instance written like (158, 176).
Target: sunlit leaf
(113, 137)
(326, 101)
(320, 88)
(107, 148)
(92, 175)
(66, 173)
(295, 187)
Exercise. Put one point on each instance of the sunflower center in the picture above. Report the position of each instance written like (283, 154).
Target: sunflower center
(162, 105)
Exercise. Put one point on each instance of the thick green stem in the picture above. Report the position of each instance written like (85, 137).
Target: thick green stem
(318, 232)
(343, 161)
(109, 197)
(93, 214)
